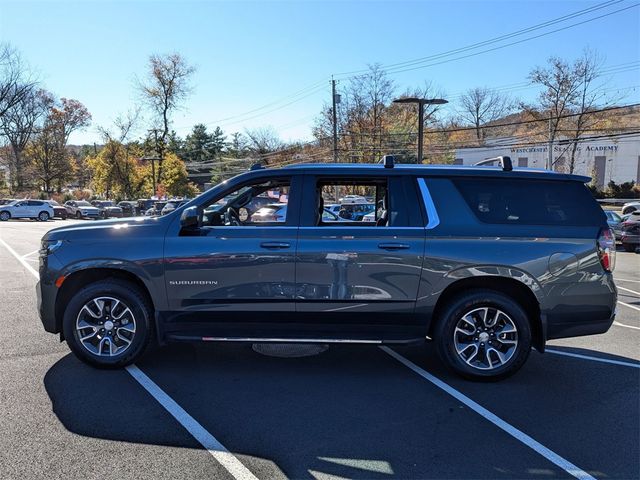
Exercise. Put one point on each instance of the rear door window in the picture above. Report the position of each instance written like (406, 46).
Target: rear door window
(530, 202)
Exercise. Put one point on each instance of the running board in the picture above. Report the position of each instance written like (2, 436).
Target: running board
(191, 338)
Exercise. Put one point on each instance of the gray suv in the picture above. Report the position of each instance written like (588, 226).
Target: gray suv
(486, 262)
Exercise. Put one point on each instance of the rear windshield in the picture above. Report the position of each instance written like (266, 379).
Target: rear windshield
(530, 202)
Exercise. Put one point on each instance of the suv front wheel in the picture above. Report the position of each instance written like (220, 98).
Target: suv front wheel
(483, 335)
(108, 323)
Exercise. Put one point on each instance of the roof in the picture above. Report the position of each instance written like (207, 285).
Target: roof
(433, 170)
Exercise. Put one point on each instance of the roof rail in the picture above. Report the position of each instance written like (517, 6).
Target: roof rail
(256, 166)
(505, 162)
(388, 161)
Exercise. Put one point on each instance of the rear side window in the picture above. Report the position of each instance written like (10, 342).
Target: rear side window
(530, 202)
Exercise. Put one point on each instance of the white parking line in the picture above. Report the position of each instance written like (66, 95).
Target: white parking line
(618, 324)
(594, 359)
(20, 259)
(626, 280)
(628, 305)
(29, 254)
(229, 461)
(553, 457)
(628, 290)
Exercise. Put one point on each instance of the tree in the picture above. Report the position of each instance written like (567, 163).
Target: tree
(15, 81)
(481, 105)
(165, 89)
(175, 179)
(201, 146)
(50, 160)
(570, 88)
(19, 124)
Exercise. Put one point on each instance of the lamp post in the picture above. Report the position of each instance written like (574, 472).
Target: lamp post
(421, 102)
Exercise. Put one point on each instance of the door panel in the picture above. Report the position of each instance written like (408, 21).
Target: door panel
(360, 269)
(232, 268)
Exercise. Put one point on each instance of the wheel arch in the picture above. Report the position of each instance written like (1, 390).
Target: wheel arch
(81, 277)
(513, 288)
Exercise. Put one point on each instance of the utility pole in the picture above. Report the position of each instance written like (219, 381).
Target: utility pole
(550, 147)
(335, 119)
(152, 159)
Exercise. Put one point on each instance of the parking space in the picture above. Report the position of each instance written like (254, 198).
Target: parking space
(349, 412)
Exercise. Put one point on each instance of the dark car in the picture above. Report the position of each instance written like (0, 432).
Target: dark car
(615, 223)
(460, 256)
(128, 208)
(59, 211)
(630, 237)
(144, 204)
(107, 208)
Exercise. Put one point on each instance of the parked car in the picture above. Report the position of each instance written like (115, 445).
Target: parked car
(172, 205)
(107, 208)
(456, 258)
(630, 207)
(35, 209)
(156, 209)
(275, 212)
(128, 208)
(81, 209)
(630, 237)
(355, 211)
(333, 208)
(615, 223)
(59, 211)
(144, 204)
(5, 201)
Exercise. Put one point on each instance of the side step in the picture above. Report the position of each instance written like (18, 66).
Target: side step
(363, 341)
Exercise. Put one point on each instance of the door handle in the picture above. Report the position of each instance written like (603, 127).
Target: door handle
(393, 246)
(275, 245)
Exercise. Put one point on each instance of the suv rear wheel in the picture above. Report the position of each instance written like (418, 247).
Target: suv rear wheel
(483, 335)
(108, 323)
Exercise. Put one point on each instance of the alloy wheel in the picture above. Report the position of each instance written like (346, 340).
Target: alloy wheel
(485, 338)
(105, 326)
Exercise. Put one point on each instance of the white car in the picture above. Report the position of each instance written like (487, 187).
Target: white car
(630, 207)
(82, 209)
(36, 209)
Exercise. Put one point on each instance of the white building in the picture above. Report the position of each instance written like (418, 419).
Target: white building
(614, 158)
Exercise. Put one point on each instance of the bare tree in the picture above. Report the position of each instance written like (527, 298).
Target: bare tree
(50, 160)
(15, 80)
(166, 87)
(19, 124)
(262, 141)
(480, 105)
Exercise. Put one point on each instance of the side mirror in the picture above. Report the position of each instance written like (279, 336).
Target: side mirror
(190, 218)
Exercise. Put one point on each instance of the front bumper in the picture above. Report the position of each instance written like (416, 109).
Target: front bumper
(46, 293)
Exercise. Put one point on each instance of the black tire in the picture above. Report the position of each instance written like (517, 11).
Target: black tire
(628, 247)
(4, 216)
(63, 216)
(43, 216)
(79, 215)
(459, 307)
(131, 296)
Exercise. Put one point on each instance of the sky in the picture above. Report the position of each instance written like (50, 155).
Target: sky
(275, 59)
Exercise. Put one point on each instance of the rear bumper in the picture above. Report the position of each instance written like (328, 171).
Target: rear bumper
(583, 308)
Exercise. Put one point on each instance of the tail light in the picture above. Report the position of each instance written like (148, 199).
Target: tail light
(607, 249)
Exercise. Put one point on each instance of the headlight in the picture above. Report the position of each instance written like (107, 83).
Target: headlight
(49, 246)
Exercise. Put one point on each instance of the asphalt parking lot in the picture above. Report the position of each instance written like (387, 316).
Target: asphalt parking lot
(225, 411)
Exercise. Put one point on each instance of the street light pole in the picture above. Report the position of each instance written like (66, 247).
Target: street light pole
(421, 102)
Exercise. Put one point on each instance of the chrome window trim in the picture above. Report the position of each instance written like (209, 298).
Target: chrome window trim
(432, 213)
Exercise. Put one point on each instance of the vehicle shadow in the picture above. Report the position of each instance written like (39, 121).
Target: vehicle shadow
(349, 412)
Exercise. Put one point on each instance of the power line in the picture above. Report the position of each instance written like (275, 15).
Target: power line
(420, 63)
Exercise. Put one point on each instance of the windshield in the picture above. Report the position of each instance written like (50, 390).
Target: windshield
(82, 203)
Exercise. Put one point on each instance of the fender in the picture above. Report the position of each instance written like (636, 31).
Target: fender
(156, 292)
